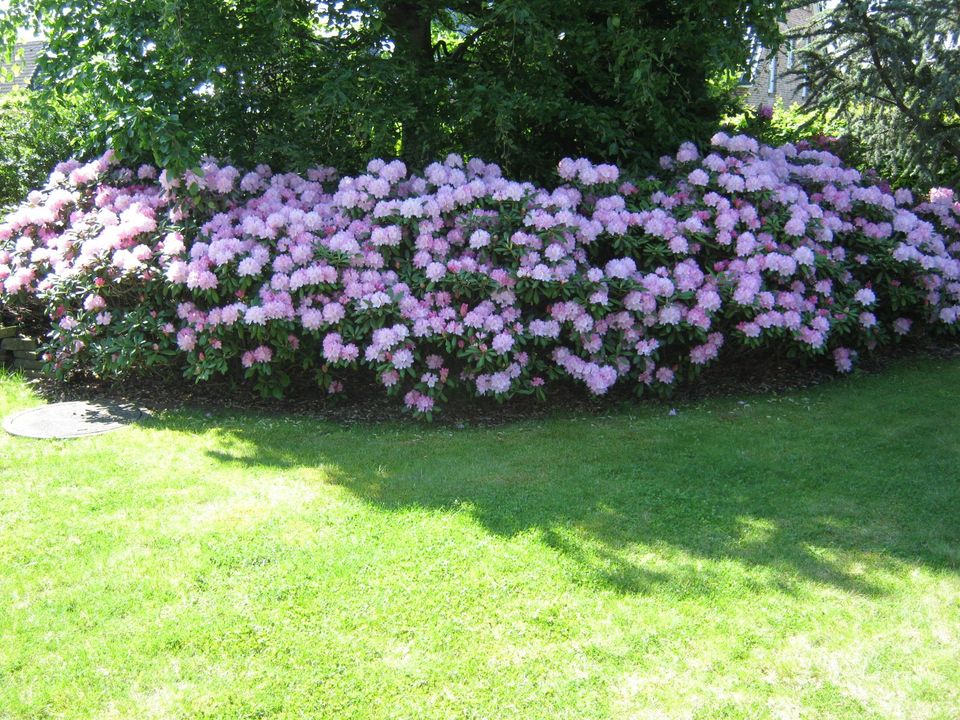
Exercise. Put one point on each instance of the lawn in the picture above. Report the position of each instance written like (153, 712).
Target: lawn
(794, 556)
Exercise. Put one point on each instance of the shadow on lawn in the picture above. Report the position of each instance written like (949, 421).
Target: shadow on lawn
(816, 495)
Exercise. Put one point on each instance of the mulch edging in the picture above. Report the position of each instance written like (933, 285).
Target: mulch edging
(366, 404)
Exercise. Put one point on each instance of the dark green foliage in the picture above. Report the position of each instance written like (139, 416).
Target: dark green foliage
(892, 69)
(34, 136)
(293, 83)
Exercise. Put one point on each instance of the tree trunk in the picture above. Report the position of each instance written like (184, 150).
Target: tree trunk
(409, 25)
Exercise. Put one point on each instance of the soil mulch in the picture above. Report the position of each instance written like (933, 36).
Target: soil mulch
(365, 402)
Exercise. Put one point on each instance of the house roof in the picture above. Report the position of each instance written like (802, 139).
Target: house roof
(24, 66)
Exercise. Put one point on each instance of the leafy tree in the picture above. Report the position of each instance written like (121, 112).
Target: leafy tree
(892, 68)
(295, 82)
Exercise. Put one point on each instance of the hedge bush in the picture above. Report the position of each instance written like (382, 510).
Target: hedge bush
(463, 280)
(33, 136)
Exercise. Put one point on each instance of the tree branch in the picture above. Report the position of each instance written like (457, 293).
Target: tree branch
(468, 42)
(882, 72)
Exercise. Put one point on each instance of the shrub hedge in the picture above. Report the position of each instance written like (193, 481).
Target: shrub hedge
(462, 280)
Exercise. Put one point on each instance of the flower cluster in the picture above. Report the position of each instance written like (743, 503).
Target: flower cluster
(463, 279)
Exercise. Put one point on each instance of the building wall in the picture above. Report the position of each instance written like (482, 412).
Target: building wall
(770, 80)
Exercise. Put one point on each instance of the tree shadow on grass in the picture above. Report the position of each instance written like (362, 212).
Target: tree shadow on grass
(794, 493)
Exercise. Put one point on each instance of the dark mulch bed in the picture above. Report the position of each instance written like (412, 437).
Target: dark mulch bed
(365, 402)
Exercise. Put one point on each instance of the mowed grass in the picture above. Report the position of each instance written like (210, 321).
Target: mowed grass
(756, 557)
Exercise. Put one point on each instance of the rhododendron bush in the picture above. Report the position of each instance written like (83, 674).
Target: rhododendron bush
(461, 279)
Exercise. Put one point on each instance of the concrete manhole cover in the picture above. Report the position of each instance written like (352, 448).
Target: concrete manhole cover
(70, 420)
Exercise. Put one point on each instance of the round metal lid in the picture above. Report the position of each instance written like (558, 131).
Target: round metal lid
(70, 420)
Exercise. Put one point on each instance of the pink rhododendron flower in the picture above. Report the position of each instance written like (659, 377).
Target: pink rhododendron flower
(599, 282)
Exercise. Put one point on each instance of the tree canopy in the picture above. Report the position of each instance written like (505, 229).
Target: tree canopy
(295, 82)
(892, 67)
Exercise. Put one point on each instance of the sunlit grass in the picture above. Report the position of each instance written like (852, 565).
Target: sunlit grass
(756, 557)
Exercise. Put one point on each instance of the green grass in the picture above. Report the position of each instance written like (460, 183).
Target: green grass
(782, 557)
